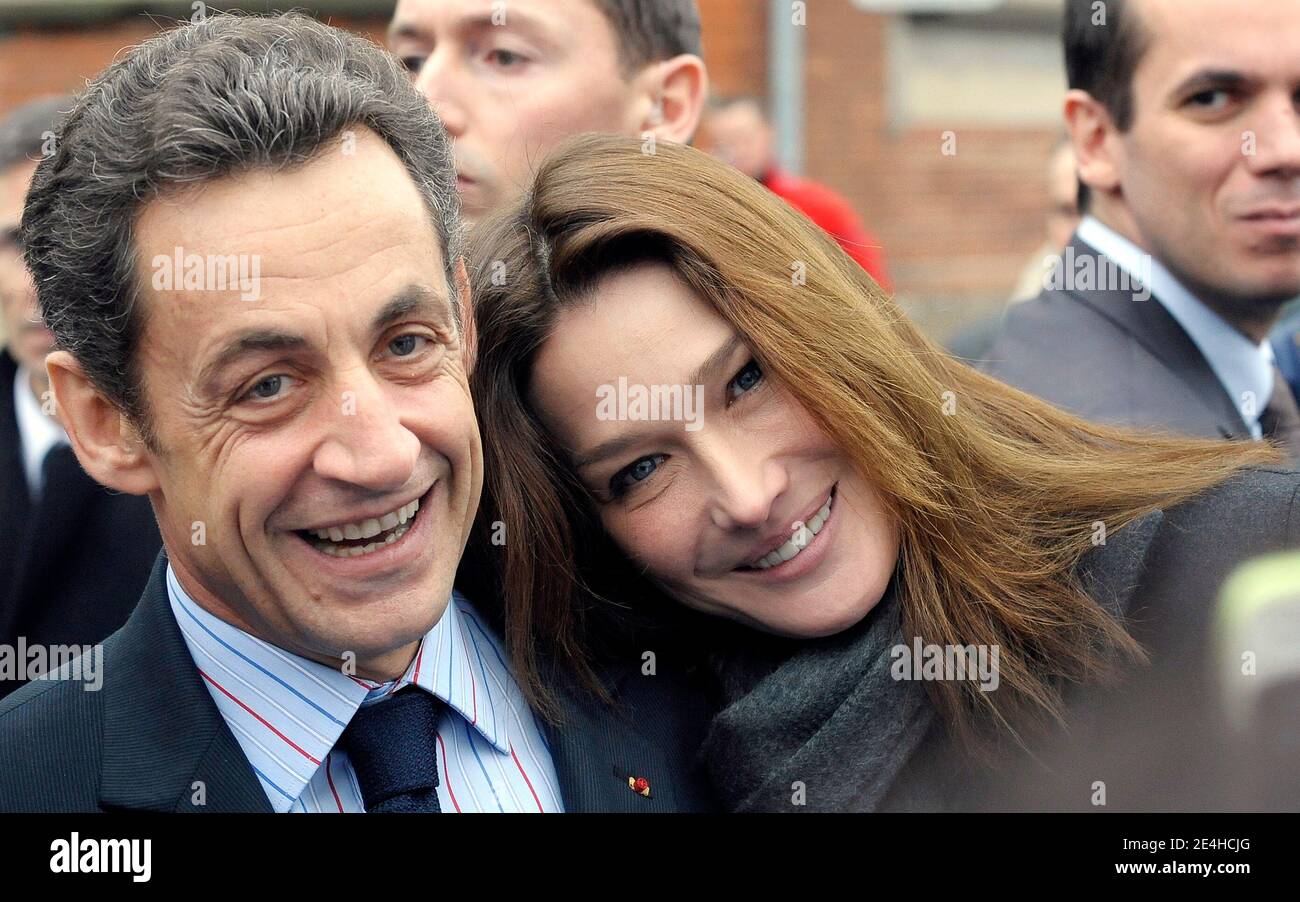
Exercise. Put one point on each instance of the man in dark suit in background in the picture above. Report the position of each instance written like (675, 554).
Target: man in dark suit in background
(1184, 122)
(73, 554)
(283, 372)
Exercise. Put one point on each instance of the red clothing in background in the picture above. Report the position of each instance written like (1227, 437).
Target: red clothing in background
(833, 213)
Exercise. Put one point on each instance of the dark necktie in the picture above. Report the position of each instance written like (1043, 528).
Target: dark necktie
(392, 749)
(1281, 418)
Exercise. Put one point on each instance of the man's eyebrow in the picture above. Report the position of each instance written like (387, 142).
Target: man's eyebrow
(412, 299)
(1206, 79)
(405, 30)
(702, 374)
(516, 20)
(242, 344)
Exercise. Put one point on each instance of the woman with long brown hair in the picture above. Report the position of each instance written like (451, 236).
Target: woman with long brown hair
(682, 383)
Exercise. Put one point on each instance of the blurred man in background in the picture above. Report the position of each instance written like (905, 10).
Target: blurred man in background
(512, 81)
(1062, 219)
(737, 131)
(73, 556)
(972, 343)
(1184, 122)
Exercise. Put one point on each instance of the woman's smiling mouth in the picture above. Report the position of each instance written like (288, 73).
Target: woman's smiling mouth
(801, 538)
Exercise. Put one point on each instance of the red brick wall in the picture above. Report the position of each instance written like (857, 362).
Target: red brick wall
(735, 45)
(38, 61)
(957, 229)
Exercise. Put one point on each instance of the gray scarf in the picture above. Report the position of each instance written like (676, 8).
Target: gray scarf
(815, 725)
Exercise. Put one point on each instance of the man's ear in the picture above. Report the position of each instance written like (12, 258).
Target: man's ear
(468, 329)
(676, 90)
(105, 441)
(1095, 139)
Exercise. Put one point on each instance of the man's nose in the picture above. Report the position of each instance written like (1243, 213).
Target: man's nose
(439, 81)
(368, 444)
(31, 308)
(1276, 150)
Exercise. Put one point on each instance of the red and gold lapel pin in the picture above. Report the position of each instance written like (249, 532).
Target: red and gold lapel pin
(639, 785)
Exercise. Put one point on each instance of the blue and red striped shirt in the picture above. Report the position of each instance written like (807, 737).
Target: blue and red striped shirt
(288, 712)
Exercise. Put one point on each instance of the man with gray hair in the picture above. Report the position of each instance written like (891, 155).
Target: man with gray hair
(73, 555)
(244, 244)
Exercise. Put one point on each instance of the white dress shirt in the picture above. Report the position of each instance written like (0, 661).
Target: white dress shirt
(1244, 368)
(288, 714)
(37, 433)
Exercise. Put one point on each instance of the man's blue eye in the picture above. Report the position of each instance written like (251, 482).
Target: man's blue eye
(750, 375)
(267, 388)
(1214, 98)
(403, 345)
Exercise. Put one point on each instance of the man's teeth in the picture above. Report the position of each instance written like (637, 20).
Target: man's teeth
(800, 538)
(395, 524)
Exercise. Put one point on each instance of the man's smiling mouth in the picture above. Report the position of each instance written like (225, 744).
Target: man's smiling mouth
(365, 536)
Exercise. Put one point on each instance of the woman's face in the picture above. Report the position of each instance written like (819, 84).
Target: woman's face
(704, 470)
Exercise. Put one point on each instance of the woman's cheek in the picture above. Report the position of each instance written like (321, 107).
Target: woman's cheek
(656, 540)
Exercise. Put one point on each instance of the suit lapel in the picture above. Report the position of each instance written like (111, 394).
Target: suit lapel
(1152, 326)
(165, 743)
(596, 750)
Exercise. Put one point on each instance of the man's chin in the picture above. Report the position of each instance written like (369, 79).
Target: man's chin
(1270, 290)
(476, 202)
(343, 631)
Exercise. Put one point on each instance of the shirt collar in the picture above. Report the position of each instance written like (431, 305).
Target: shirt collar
(1244, 368)
(308, 704)
(39, 433)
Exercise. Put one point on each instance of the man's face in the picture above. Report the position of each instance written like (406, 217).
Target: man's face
(1210, 169)
(1062, 197)
(738, 135)
(28, 339)
(290, 424)
(510, 81)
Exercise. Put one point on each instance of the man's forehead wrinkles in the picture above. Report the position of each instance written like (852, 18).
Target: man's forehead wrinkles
(341, 225)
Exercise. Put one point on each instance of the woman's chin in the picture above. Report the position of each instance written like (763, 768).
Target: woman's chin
(810, 621)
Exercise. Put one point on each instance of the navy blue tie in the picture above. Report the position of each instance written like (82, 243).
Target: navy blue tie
(392, 749)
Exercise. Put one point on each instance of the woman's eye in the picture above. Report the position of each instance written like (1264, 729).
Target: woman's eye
(750, 375)
(270, 388)
(628, 477)
(405, 345)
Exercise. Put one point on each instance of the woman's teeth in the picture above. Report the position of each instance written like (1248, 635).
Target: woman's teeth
(800, 538)
(385, 530)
